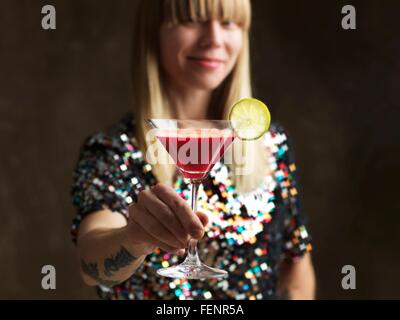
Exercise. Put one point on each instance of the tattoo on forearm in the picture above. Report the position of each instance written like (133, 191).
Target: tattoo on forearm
(92, 271)
(122, 259)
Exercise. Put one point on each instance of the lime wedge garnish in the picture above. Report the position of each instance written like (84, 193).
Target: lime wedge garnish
(250, 118)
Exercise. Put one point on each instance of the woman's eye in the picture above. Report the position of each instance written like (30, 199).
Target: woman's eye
(190, 22)
(228, 23)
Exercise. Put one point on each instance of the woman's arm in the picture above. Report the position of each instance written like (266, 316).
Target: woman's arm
(106, 255)
(297, 279)
(111, 247)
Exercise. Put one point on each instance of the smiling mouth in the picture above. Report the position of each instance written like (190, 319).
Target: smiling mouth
(206, 59)
(209, 63)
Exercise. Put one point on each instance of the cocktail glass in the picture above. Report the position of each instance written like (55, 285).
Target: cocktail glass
(195, 146)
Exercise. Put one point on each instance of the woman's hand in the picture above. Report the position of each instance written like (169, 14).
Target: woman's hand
(161, 218)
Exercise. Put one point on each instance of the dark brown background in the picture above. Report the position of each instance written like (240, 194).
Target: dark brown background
(335, 91)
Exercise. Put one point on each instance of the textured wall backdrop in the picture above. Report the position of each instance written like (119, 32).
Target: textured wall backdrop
(335, 91)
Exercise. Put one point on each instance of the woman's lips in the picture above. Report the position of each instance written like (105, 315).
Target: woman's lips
(207, 62)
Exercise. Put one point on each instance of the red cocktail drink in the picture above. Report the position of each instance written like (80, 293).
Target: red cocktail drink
(195, 151)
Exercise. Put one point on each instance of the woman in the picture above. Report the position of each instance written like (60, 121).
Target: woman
(191, 61)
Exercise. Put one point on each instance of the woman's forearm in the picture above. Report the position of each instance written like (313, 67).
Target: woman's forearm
(297, 279)
(302, 286)
(106, 257)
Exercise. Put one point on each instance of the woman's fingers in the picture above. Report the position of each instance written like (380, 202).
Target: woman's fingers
(203, 217)
(153, 227)
(190, 221)
(148, 238)
(163, 219)
(165, 216)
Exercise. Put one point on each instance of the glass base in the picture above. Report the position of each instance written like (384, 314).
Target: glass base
(192, 271)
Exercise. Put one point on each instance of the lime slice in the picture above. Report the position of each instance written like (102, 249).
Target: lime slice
(250, 118)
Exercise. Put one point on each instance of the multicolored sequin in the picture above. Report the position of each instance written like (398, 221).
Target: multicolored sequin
(247, 235)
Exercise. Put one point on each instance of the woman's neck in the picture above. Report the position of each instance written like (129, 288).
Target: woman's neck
(190, 104)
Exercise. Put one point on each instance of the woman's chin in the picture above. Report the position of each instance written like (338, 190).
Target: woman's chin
(210, 85)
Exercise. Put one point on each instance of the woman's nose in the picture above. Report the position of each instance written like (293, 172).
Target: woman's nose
(212, 36)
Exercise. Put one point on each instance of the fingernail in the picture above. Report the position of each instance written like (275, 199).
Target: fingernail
(197, 233)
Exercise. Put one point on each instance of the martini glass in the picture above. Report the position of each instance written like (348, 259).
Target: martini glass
(195, 146)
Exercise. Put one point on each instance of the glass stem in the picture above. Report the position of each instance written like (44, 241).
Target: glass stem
(192, 255)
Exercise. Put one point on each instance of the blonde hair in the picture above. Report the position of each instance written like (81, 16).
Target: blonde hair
(149, 91)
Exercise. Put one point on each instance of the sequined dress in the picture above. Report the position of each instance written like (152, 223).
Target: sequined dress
(248, 234)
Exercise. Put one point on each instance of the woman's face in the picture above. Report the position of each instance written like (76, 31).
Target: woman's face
(200, 55)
